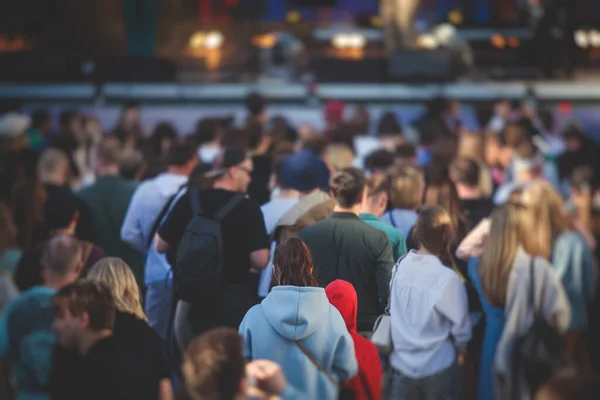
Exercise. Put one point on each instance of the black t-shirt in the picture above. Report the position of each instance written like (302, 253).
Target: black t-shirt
(476, 209)
(85, 226)
(243, 231)
(113, 371)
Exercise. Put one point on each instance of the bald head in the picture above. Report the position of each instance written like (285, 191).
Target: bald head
(62, 256)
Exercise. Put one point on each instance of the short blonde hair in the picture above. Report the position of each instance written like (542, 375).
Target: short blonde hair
(471, 146)
(339, 156)
(118, 276)
(52, 161)
(405, 192)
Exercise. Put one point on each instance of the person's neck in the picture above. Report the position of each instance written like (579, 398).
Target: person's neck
(365, 209)
(177, 170)
(422, 250)
(108, 170)
(225, 185)
(287, 194)
(53, 179)
(353, 210)
(465, 192)
(56, 282)
(68, 231)
(90, 339)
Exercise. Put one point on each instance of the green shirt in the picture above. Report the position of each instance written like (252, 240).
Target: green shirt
(108, 199)
(396, 237)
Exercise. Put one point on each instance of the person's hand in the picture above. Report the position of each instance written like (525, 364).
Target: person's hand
(267, 376)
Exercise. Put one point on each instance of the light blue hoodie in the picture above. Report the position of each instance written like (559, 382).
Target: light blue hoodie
(291, 313)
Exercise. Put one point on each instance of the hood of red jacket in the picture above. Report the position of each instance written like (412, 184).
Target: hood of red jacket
(342, 295)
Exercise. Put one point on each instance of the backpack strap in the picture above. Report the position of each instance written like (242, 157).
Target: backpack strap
(228, 207)
(195, 201)
(162, 214)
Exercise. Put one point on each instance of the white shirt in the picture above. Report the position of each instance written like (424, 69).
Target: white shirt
(272, 212)
(145, 206)
(430, 316)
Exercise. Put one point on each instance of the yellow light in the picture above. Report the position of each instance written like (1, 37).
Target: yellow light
(264, 41)
(498, 41)
(293, 17)
(376, 21)
(455, 17)
(206, 40)
(348, 41)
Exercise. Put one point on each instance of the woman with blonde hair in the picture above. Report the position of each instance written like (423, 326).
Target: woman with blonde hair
(131, 326)
(503, 278)
(430, 323)
(550, 234)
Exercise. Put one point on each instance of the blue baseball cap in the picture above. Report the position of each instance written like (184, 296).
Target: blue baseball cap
(304, 171)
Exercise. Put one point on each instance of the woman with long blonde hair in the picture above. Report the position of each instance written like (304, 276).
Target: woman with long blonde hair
(550, 233)
(131, 326)
(503, 277)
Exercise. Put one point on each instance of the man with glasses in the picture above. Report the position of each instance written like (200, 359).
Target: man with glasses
(245, 243)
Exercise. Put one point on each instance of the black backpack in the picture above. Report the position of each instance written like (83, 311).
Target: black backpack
(198, 270)
(540, 352)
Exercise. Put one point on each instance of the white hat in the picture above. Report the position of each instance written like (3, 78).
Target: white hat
(13, 124)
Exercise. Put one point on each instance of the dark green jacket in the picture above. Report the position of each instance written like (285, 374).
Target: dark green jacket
(108, 199)
(344, 247)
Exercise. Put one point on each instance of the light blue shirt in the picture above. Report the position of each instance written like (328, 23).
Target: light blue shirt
(401, 219)
(27, 341)
(146, 204)
(428, 306)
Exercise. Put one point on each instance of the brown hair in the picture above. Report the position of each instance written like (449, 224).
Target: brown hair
(405, 188)
(28, 198)
(376, 185)
(443, 193)
(91, 297)
(435, 232)
(109, 151)
(347, 186)
(213, 365)
(293, 264)
(8, 229)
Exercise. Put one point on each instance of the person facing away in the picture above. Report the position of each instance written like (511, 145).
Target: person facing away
(372, 208)
(62, 217)
(429, 315)
(214, 367)
(297, 327)
(53, 172)
(367, 383)
(344, 247)
(131, 330)
(406, 193)
(475, 206)
(26, 338)
(140, 226)
(108, 198)
(84, 319)
(244, 240)
(502, 277)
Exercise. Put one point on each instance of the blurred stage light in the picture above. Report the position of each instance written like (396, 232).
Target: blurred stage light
(498, 41)
(594, 38)
(581, 39)
(265, 41)
(428, 42)
(376, 21)
(514, 42)
(206, 40)
(455, 17)
(585, 39)
(293, 17)
(348, 41)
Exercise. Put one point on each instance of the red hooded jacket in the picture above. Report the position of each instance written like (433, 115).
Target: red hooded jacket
(367, 383)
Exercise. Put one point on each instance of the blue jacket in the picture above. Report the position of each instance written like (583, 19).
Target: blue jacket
(573, 262)
(291, 313)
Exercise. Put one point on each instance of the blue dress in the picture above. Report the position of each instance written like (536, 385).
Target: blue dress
(494, 325)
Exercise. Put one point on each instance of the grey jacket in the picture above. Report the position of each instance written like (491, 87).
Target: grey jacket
(551, 301)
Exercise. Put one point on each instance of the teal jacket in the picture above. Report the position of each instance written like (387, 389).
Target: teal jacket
(396, 237)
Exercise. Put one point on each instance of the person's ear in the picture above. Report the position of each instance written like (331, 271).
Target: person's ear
(84, 320)
(383, 200)
(361, 198)
(78, 268)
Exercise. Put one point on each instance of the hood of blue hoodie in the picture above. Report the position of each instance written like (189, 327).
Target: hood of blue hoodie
(296, 312)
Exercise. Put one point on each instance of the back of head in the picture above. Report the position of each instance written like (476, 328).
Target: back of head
(255, 104)
(117, 275)
(442, 193)
(109, 152)
(52, 162)
(60, 210)
(62, 256)
(214, 366)
(405, 191)
(471, 146)
(342, 295)
(40, 118)
(435, 232)
(379, 160)
(181, 153)
(90, 297)
(347, 187)
(465, 171)
(388, 125)
(131, 164)
(376, 185)
(339, 156)
(293, 264)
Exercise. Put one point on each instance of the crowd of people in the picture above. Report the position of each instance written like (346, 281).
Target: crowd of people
(369, 261)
